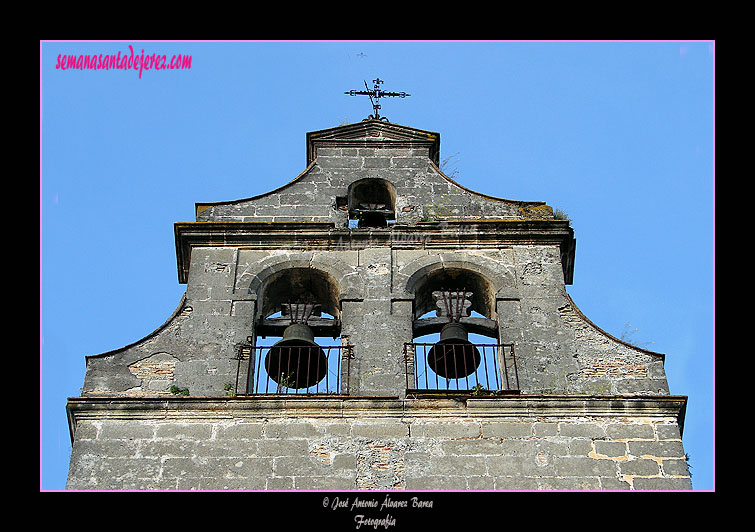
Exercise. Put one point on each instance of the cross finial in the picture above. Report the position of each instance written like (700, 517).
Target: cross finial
(377, 93)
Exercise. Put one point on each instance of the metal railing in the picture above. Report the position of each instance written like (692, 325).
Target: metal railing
(299, 370)
(473, 368)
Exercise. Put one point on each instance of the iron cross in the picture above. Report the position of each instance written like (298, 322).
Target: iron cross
(377, 93)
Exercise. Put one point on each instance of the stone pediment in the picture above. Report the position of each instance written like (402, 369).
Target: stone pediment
(373, 133)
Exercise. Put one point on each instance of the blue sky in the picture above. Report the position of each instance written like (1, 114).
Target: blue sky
(619, 135)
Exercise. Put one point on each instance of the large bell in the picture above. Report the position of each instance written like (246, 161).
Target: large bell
(454, 356)
(296, 361)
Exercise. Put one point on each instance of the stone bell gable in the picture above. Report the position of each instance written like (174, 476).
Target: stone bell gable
(351, 168)
(372, 324)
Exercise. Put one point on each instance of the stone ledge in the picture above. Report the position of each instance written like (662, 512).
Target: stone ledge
(476, 234)
(520, 406)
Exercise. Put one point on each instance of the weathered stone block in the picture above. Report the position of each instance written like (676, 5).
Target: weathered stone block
(516, 483)
(293, 429)
(507, 430)
(240, 431)
(183, 467)
(639, 466)
(302, 465)
(630, 431)
(126, 431)
(664, 449)
(518, 465)
(444, 482)
(279, 483)
(569, 484)
(483, 483)
(614, 484)
(662, 483)
(274, 448)
(445, 430)
(190, 431)
(577, 466)
(380, 430)
(581, 430)
(473, 447)
(668, 432)
(610, 449)
(323, 483)
(453, 465)
(543, 429)
(673, 467)
(177, 448)
(580, 446)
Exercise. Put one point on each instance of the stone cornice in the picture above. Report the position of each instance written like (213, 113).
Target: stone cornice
(515, 406)
(451, 234)
(373, 133)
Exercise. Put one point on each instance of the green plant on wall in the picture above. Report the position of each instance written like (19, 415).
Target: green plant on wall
(438, 211)
(628, 336)
(175, 390)
(480, 391)
(447, 168)
(287, 381)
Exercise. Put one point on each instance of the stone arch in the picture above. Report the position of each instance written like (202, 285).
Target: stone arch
(285, 283)
(449, 346)
(452, 273)
(329, 282)
(372, 201)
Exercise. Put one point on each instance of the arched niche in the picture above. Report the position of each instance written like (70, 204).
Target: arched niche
(300, 305)
(299, 290)
(372, 202)
(430, 293)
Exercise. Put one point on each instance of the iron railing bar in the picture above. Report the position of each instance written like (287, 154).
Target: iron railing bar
(495, 368)
(516, 370)
(299, 357)
(466, 369)
(348, 370)
(338, 370)
(317, 372)
(238, 370)
(499, 362)
(323, 386)
(485, 365)
(406, 366)
(505, 367)
(267, 381)
(258, 361)
(288, 370)
(298, 366)
(437, 385)
(327, 377)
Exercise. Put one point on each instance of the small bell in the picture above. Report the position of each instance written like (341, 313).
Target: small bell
(296, 361)
(454, 356)
(372, 219)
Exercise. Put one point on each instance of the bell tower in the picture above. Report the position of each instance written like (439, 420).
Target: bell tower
(372, 324)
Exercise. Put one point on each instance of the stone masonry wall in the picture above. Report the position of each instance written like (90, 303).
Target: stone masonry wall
(558, 350)
(422, 192)
(393, 451)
